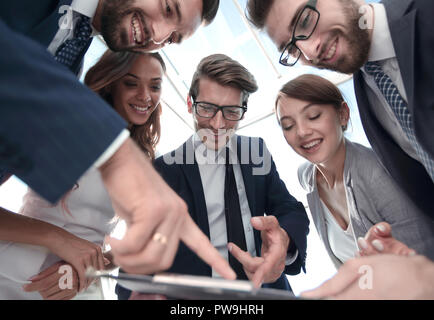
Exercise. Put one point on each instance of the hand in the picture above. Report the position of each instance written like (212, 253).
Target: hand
(47, 283)
(150, 208)
(379, 239)
(80, 253)
(275, 242)
(141, 296)
(393, 277)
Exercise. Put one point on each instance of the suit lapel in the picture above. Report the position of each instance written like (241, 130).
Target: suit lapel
(192, 176)
(45, 31)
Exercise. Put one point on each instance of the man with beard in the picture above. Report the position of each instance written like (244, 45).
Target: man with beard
(389, 48)
(52, 128)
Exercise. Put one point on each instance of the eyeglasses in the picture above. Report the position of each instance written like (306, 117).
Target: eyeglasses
(209, 110)
(305, 25)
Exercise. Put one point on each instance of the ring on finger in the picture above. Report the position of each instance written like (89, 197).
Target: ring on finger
(158, 237)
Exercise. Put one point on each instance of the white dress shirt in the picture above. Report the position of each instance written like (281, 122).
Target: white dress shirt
(212, 172)
(383, 51)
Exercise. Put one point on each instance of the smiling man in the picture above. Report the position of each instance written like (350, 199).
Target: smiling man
(389, 48)
(53, 129)
(149, 25)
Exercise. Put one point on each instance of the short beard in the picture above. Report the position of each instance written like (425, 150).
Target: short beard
(112, 15)
(358, 39)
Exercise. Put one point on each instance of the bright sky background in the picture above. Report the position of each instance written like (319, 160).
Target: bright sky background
(229, 34)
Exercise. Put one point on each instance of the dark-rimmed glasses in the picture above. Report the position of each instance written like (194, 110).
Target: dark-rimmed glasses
(209, 110)
(305, 25)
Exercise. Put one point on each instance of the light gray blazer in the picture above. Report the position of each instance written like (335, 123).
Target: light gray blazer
(372, 197)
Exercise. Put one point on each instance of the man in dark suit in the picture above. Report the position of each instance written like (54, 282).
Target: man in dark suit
(52, 129)
(388, 46)
(201, 171)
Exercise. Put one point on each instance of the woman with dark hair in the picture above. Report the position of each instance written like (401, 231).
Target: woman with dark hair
(353, 201)
(71, 233)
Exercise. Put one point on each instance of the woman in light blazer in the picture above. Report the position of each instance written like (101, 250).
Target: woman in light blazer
(348, 190)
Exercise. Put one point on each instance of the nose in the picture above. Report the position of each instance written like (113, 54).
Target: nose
(310, 48)
(303, 130)
(218, 121)
(161, 32)
(143, 94)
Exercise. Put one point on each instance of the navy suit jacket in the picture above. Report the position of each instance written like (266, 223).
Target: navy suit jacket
(52, 128)
(411, 25)
(265, 193)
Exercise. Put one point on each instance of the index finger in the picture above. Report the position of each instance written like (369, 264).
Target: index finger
(265, 223)
(199, 243)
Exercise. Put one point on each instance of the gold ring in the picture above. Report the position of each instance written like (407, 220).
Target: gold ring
(159, 238)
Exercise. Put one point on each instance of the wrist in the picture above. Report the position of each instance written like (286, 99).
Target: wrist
(53, 238)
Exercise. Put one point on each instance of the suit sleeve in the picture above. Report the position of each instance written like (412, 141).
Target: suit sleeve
(52, 128)
(291, 215)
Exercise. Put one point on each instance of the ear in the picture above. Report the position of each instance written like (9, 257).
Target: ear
(344, 114)
(189, 104)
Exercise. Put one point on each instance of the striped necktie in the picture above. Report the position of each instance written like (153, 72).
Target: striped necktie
(400, 109)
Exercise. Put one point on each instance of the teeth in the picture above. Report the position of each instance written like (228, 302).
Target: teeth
(331, 52)
(139, 108)
(311, 145)
(137, 33)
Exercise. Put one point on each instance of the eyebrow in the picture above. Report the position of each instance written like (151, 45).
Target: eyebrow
(132, 75)
(292, 23)
(153, 79)
(304, 109)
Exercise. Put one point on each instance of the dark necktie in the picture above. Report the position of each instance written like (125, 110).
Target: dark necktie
(400, 109)
(69, 51)
(234, 222)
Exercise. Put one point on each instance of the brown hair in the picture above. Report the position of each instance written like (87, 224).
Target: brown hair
(314, 89)
(209, 11)
(111, 67)
(226, 72)
(257, 11)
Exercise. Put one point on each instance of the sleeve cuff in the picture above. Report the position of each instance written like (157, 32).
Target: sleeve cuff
(116, 144)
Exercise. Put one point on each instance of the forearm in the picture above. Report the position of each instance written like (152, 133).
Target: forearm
(22, 229)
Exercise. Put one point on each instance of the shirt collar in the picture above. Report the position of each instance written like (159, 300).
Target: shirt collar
(215, 156)
(381, 44)
(85, 7)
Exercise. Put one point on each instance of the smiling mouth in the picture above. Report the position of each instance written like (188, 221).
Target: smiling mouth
(330, 54)
(311, 145)
(140, 109)
(137, 29)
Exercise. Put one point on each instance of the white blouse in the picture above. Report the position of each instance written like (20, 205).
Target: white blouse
(91, 219)
(341, 241)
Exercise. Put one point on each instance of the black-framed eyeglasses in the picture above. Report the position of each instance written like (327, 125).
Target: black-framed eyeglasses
(209, 110)
(304, 27)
